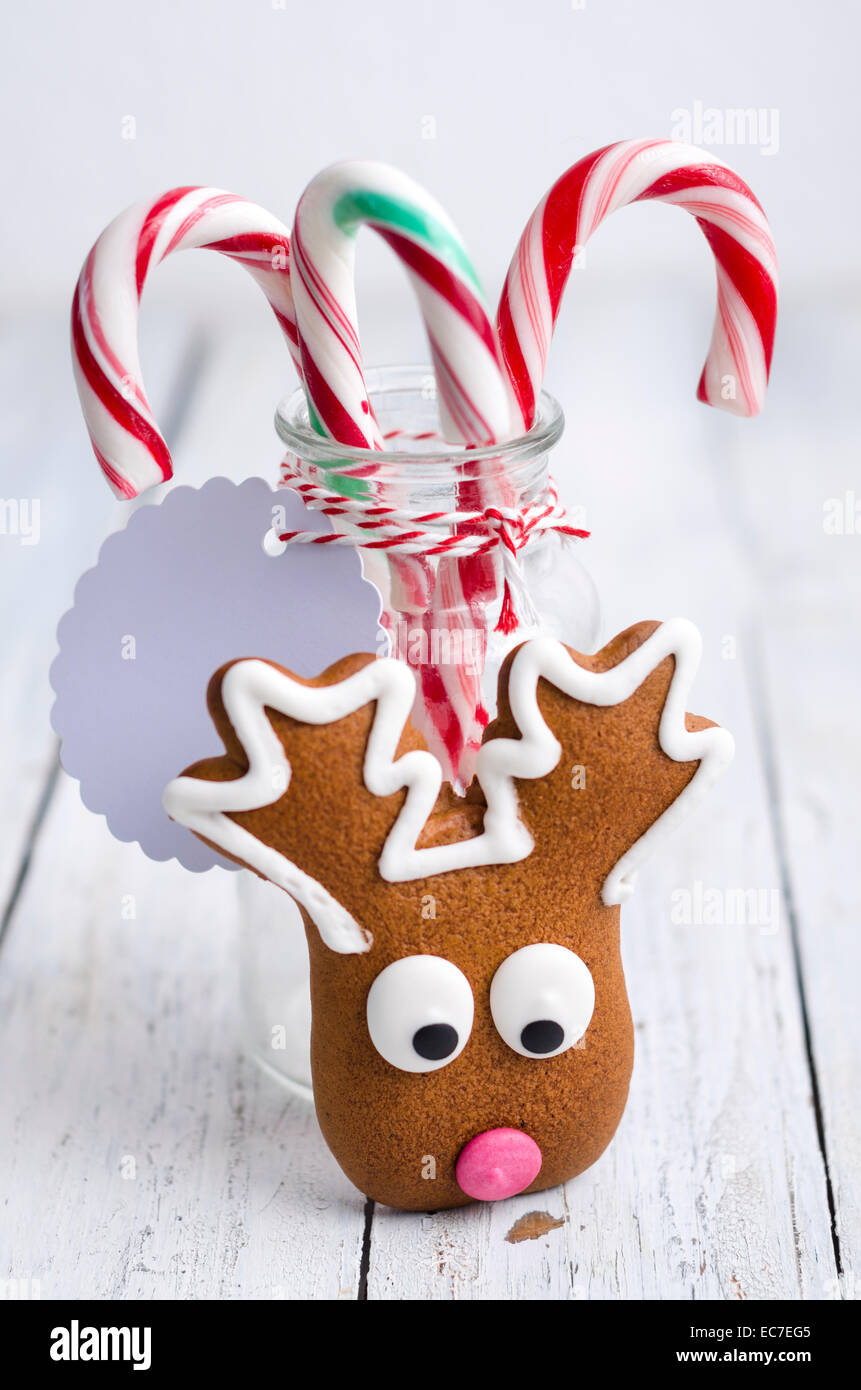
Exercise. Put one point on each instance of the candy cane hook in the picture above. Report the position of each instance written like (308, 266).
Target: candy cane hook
(735, 375)
(126, 439)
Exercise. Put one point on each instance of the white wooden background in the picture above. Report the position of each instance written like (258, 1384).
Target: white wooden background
(736, 1173)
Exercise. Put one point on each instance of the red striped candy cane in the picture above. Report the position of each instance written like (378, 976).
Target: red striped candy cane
(736, 371)
(331, 211)
(126, 439)
(450, 601)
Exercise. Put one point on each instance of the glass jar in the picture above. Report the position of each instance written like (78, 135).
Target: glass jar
(442, 615)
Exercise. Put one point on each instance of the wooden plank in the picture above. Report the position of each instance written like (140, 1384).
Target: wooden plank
(812, 676)
(802, 538)
(146, 1156)
(131, 1031)
(714, 1185)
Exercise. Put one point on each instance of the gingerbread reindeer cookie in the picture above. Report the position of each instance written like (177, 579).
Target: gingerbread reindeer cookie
(471, 1032)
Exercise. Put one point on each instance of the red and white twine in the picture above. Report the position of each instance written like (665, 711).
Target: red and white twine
(402, 531)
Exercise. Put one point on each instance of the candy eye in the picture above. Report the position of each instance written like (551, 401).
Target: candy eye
(420, 1012)
(542, 998)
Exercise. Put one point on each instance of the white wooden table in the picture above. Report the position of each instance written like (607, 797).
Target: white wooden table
(143, 1156)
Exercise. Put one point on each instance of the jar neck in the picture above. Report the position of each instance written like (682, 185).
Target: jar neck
(419, 470)
(453, 486)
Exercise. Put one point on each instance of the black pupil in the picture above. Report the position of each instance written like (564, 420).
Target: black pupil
(542, 1036)
(435, 1041)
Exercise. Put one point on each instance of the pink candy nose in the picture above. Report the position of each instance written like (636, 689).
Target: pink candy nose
(497, 1164)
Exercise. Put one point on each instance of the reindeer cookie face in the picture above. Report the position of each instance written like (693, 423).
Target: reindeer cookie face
(471, 1032)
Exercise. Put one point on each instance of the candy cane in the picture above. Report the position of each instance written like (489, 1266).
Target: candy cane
(334, 206)
(473, 398)
(736, 371)
(126, 439)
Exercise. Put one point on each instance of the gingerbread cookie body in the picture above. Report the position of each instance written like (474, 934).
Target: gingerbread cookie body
(471, 1032)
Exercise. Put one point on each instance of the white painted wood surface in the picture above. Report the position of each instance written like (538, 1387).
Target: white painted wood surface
(142, 1155)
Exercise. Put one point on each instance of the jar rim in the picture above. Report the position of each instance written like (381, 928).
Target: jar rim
(294, 429)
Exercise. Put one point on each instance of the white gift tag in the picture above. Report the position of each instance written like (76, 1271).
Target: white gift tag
(185, 587)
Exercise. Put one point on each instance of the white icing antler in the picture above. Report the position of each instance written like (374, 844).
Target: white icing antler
(250, 687)
(538, 751)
